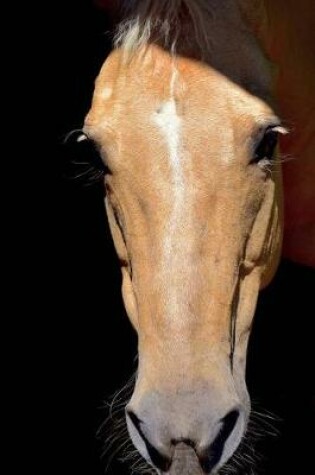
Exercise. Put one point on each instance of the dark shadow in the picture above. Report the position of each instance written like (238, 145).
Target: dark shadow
(89, 339)
(281, 369)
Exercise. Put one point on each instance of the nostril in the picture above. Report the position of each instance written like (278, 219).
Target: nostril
(213, 455)
(158, 459)
(229, 422)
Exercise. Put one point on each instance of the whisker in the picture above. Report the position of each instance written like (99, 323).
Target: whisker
(244, 461)
(117, 443)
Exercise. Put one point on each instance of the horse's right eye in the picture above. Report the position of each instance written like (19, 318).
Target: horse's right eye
(79, 145)
(84, 159)
(76, 137)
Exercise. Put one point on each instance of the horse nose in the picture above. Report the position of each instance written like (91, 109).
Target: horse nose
(157, 437)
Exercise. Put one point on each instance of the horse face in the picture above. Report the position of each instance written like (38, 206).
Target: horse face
(193, 205)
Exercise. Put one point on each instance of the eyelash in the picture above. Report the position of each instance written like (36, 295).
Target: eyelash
(264, 152)
(267, 146)
(83, 162)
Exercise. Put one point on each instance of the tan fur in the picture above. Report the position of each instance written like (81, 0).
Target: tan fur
(224, 240)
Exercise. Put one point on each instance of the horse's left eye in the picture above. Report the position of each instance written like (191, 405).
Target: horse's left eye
(265, 151)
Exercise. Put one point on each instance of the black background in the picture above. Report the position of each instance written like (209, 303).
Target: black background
(89, 339)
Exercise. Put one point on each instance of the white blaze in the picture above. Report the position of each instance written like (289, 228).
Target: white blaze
(170, 126)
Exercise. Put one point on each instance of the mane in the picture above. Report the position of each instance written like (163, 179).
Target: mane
(214, 32)
(173, 24)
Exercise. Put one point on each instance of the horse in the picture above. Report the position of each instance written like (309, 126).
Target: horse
(203, 115)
